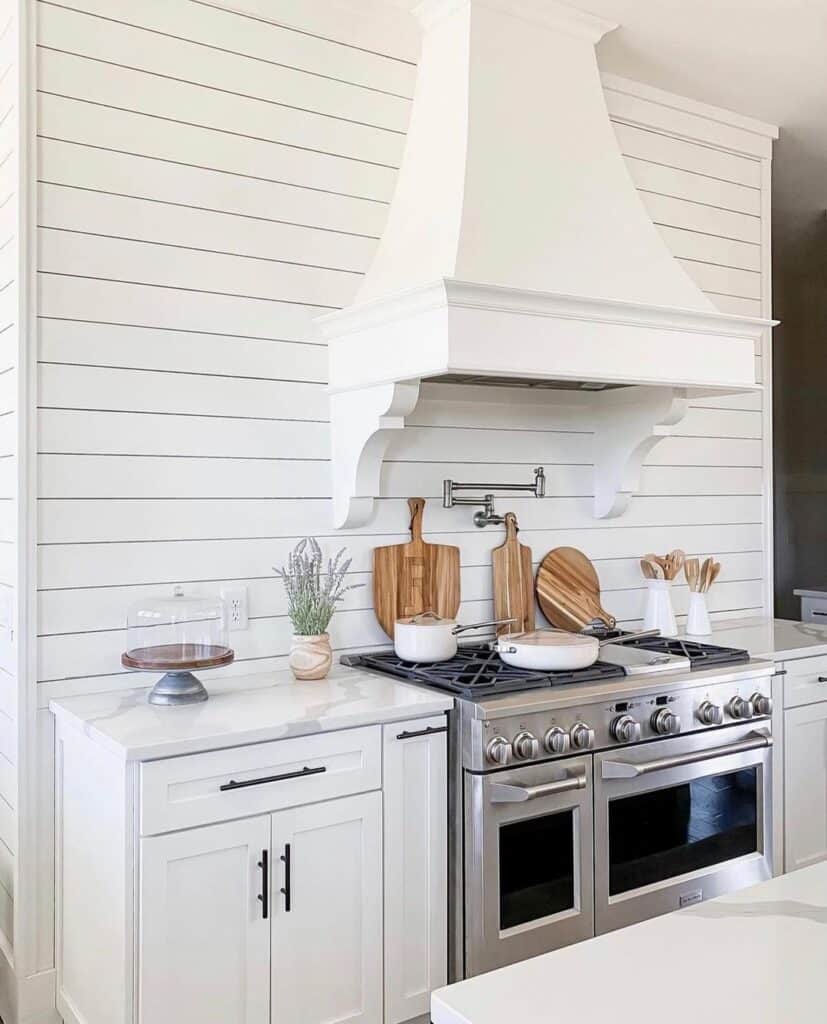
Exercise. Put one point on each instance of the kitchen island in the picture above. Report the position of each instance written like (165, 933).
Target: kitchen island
(756, 957)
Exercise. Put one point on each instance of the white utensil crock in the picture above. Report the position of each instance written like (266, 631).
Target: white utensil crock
(659, 612)
(697, 622)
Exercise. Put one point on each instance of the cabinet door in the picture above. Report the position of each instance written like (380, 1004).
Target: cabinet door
(327, 913)
(204, 941)
(805, 785)
(416, 865)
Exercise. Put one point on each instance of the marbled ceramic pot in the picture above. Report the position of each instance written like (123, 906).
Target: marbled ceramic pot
(310, 656)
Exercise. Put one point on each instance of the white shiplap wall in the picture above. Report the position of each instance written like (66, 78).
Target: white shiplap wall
(9, 290)
(210, 182)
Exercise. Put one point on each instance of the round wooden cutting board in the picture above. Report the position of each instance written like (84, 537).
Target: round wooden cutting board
(568, 590)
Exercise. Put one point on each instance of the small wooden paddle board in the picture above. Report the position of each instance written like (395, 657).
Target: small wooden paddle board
(513, 584)
(568, 590)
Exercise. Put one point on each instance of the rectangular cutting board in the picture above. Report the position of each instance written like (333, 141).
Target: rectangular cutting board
(415, 577)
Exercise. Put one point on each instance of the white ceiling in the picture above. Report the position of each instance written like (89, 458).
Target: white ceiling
(763, 58)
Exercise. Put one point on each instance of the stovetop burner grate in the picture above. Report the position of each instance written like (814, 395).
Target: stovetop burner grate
(477, 671)
(700, 655)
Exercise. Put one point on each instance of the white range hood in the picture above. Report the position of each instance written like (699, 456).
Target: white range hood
(518, 251)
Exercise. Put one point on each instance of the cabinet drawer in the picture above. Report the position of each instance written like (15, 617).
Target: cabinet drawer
(814, 609)
(805, 681)
(200, 788)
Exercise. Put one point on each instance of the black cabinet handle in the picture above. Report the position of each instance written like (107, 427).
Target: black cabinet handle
(421, 732)
(264, 896)
(232, 784)
(286, 890)
(822, 679)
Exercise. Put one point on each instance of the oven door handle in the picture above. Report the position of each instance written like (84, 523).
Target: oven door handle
(503, 793)
(629, 770)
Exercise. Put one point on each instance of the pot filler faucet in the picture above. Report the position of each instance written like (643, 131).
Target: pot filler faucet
(486, 516)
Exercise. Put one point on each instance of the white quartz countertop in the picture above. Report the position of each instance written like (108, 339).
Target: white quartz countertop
(246, 709)
(756, 957)
(773, 639)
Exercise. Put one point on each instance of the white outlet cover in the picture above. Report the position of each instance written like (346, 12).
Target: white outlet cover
(235, 599)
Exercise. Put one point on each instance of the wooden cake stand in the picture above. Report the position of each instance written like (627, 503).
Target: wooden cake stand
(179, 686)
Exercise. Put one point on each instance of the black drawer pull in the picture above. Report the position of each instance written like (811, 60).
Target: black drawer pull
(822, 679)
(286, 890)
(264, 896)
(232, 784)
(422, 732)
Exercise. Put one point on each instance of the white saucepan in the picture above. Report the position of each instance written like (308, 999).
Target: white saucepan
(555, 650)
(428, 637)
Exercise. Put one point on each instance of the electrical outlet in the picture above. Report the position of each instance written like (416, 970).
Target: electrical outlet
(235, 598)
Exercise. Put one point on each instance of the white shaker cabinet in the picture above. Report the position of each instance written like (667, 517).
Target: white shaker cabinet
(416, 866)
(805, 785)
(204, 940)
(326, 912)
(299, 880)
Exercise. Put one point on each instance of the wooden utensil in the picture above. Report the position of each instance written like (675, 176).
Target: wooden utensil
(648, 569)
(512, 581)
(415, 577)
(673, 563)
(692, 571)
(568, 590)
(657, 565)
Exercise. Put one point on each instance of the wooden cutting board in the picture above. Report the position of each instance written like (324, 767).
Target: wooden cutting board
(513, 583)
(415, 577)
(568, 590)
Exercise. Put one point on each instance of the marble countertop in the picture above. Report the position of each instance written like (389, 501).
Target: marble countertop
(756, 957)
(773, 639)
(246, 709)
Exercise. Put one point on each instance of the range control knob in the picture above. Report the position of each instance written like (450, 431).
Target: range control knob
(761, 705)
(557, 740)
(710, 714)
(666, 722)
(498, 750)
(625, 729)
(582, 736)
(740, 708)
(526, 746)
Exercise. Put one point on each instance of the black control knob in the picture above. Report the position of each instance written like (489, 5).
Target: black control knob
(738, 707)
(625, 729)
(666, 722)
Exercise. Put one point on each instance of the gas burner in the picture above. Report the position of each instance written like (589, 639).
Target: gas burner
(477, 672)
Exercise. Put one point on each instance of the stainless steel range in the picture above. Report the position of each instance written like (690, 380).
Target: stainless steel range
(584, 801)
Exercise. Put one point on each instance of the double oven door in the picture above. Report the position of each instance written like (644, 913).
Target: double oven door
(528, 862)
(680, 821)
(561, 851)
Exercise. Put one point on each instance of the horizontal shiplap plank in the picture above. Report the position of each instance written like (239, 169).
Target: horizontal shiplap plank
(744, 284)
(90, 387)
(125, 347)
(96, 125)
(73, 655)
(197, 270)
(666, 211)
(726, 252)
(97, 213)
(81, 520)
(253, 37)
(116, 302)
(70, 76)
(104, 564)
(659, 148)
(102, 608)
(670, 181)
(184, 184)
(737, 305)
(217, 68)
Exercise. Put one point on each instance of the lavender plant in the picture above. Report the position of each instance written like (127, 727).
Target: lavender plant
(312, 595)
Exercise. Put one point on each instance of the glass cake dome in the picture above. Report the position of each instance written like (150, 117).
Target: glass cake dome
(176, 635)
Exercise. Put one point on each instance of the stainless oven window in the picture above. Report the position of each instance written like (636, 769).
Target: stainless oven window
(537, 868)
(660, 834)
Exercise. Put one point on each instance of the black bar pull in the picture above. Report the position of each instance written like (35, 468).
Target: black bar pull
(422, 732)
(264, 896)
(232, 784)
(286, 889)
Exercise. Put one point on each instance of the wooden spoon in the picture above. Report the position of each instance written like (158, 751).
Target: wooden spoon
(657, 566)
(648, 569)
(691, 569)
(674, 563)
